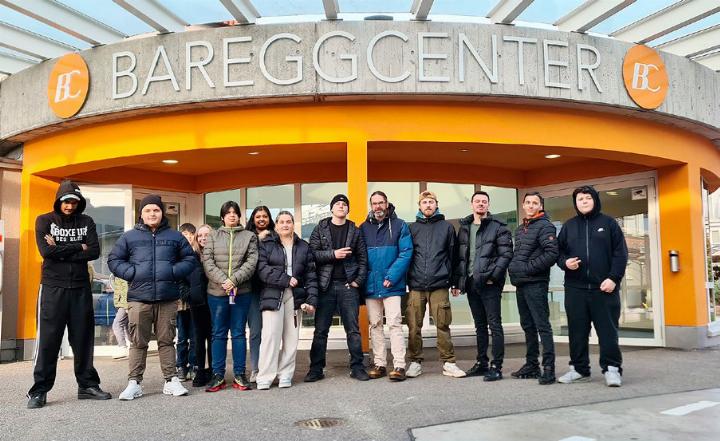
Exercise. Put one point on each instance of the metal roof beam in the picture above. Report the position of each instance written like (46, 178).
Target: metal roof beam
(243, 10)
(420, 9)
(66, 19)
(505, 11)
(26, 42)
(710, 60)
(154, 14)
(667, 20)
(590, 13)
(10, 64)
(331, 9)
(694, 44)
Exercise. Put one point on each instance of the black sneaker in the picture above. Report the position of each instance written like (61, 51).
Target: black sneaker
(92, 393)
(216, 384)
(360, 374)
(202, 377)
(478, 370)
(181, 373)
(527, 371)
(37, 400)
(493, 374)
(547, 377)
(313, 376)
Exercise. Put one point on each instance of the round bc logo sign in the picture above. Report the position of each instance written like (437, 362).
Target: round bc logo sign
(645, 77)
(68, 85)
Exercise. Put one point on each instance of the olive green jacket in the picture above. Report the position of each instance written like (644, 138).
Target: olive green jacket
(230, 253)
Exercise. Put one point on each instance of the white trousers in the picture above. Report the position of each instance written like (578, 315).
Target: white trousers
(279, 341)
(393, 316)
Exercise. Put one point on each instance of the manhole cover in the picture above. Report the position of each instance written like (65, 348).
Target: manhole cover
(319, 423)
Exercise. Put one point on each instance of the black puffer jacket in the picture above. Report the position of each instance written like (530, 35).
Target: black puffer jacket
(355, 265)
(493, 251)
(274, 278)
(599, 242)
(152, 262)
(65, 264)
(536, 250)
(198, 282)
(434, 256)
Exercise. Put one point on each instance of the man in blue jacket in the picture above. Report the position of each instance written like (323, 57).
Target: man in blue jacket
(389, 246)
(152, 257)
(593, 254)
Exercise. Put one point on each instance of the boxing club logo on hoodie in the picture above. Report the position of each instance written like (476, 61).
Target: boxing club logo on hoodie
(67, 234)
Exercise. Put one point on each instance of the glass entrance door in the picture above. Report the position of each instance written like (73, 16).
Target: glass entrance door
(633, 204)
(175, 211)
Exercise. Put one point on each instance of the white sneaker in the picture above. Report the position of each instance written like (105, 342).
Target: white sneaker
(253, 376)
(613, 378)
(263, 386)
(414, 370)
(285, 382)
(572, 376)
(132, 391)
(120, 352)
(452, 370)
(174, 388)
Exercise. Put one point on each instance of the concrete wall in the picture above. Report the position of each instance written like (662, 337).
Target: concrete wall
(692, 94)
(10, 214)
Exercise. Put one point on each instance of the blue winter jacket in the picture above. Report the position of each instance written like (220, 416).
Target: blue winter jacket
(152, 263)
(390, 249)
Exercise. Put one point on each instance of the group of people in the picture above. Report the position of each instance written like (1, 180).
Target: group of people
(263, 276)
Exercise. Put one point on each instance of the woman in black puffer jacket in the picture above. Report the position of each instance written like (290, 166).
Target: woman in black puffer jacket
(286, 267)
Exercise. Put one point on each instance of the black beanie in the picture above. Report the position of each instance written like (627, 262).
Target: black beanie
(152, 199)
(338, 198)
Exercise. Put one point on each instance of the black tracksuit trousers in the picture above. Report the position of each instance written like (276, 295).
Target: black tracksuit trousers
(58, 308)
(586, 306)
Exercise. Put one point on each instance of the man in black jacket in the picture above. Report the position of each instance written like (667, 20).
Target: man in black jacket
(593, 254)
(430, 277)
(67, 241)
(536, 250)
(341, 259)
(485, 250)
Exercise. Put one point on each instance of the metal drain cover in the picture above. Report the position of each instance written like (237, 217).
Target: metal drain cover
(320, 423)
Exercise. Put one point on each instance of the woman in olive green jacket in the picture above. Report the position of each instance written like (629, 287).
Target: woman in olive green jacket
(229, 259)
(120, 324)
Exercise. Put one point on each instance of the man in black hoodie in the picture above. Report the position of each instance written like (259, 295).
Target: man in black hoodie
(486, 249)
(67, 241)
(593, 254)
(536, 251)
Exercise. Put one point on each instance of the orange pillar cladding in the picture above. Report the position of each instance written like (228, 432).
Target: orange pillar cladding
(681, 229)
(357, 193)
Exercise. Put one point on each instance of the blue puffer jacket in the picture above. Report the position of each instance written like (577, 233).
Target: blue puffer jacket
(390, 249)
(152, 263)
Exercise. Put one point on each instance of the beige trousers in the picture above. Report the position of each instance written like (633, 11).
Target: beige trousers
(393, 316)
(279, 341)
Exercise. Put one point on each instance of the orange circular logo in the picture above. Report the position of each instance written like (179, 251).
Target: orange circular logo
(645, 77)
(68, 85)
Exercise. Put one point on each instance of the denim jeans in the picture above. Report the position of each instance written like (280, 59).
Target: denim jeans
(485, 309)
(255, 325)
(233, 318)
(185, 340)
(532, 300)
(345, 300)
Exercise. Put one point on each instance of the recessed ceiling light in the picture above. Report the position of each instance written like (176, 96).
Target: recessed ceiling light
(170, 161)
(612, 193)
(464, 150)
(553, 156)
(253, 153)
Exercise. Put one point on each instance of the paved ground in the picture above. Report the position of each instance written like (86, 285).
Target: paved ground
(376, 410)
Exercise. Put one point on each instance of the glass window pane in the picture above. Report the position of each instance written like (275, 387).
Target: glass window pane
(213, 202)
(712, 250)
(503, 204)
(403, 195)
(106, 206)
(316, 203)
(453, 199)
(276, 197)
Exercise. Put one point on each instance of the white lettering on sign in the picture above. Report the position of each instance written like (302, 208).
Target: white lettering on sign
(438, 57)
(640, 77)
(62, 92)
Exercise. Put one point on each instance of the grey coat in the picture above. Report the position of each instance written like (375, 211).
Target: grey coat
(220, 264)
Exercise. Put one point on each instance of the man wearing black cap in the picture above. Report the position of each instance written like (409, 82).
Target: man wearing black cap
(67, 241)
(152, 257)
(341, 258)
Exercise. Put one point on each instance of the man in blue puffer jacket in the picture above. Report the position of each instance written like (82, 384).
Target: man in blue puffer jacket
(389, 246)
(152, 257)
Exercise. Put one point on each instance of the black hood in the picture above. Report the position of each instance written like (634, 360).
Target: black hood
(596, 197)
(390, 215)
(69, 187)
